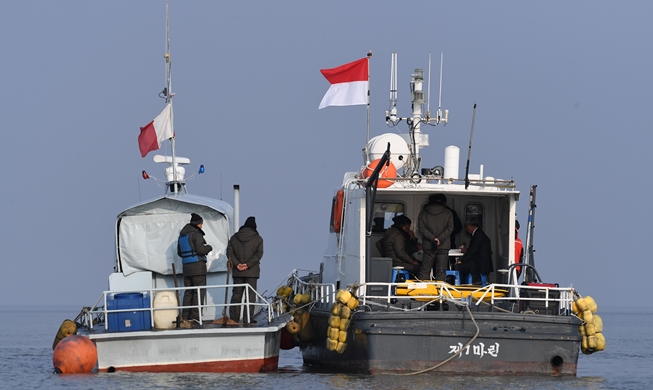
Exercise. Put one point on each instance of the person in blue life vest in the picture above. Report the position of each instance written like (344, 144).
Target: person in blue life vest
(192, 248)
(245, 251)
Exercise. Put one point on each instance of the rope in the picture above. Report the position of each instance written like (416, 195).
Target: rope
(478, 330)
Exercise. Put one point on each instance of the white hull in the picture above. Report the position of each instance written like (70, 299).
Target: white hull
(219, 349)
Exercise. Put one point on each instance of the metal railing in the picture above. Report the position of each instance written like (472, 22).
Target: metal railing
(320, 293)
(102, 312)
(529, 298)
(489, 294)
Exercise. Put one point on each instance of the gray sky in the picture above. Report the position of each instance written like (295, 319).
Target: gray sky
(563, 92)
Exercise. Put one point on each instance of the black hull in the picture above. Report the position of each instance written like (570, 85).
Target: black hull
(403, 342)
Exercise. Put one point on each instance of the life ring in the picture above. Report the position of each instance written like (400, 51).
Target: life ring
(337, 210)
(386, 172)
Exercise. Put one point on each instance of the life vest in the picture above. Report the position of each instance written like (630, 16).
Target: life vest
(188, 255)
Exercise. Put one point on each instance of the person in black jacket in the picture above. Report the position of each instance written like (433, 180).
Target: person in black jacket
(477, 258)
(245, 251)
(457, 224)
(400, 243)
(192, 248)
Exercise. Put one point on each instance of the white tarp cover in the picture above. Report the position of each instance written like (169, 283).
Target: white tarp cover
(148, 233)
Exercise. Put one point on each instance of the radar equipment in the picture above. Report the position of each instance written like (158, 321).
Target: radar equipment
(415, 139)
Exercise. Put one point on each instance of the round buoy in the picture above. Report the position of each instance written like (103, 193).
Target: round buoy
(292, 327)
(388, 171)
(74, 355)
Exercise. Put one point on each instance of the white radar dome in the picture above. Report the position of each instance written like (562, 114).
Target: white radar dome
(399, 152)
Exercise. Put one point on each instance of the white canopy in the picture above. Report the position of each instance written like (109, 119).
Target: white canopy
(146, 234)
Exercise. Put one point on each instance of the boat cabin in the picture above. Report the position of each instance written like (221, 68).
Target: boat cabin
(360, 217)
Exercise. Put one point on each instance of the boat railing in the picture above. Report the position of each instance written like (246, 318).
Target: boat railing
(100, 313)
(320, 293)
(495, 183)
(530, 299)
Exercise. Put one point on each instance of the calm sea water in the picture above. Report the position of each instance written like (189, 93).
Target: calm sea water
(26, 336)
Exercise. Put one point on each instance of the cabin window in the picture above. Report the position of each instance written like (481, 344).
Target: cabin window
(383, 214)
(474, 210)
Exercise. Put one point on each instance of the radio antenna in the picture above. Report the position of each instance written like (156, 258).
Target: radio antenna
(391, 115)
(469, 151)
(440, 97)
(428, 93)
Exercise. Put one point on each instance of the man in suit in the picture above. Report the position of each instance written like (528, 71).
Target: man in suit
(477, 258)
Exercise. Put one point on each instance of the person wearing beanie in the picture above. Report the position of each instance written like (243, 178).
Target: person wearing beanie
(435, 222)
(245, 251)
(192, 248)
(399, 243)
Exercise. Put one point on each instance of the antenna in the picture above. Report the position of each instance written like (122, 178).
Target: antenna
(391, 116)
(440, 98)
(469, 151)
(428, 93)
(168, 98)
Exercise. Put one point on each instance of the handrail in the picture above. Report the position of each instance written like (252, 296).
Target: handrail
(260, 301)
(447, 292)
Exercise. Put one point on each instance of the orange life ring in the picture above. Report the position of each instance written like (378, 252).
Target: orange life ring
(337, 210)
(388, 171)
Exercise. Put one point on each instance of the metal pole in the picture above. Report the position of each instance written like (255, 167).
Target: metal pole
(236, 207)
(369, 55)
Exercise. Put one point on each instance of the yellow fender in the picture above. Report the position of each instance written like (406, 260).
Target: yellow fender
(334, 333)
(598, 323)
(343, 296)
(588, 316)
(331, 344)
(600, 341)
(66, 329)
(352, 303)
(581, 304)
(591, 304)
(334, 321)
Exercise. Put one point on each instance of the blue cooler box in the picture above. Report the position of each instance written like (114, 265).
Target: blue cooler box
(129, 321)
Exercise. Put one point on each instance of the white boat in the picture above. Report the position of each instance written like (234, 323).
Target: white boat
(414, 326)
(135, 323)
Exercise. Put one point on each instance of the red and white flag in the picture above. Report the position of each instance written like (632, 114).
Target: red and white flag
(155, 132)
(349, 84)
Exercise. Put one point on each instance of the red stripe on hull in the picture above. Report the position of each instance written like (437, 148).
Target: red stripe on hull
(252, 365)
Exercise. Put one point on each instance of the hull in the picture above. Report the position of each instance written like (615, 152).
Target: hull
(386, 342)
(219, 349)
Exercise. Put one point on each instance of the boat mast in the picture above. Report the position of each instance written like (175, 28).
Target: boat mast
(529, 253)
(416, 139)
(167, 94)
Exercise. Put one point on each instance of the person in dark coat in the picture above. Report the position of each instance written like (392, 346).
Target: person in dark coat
(435, 223)
(245, 251)
(457, 224)
(398, 244)
(477, 258)
(192, 248)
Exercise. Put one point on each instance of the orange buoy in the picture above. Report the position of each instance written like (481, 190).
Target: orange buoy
(74, 355)
(386, 172)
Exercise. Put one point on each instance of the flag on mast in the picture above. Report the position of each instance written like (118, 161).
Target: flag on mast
(155, 132)
(349, 84)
